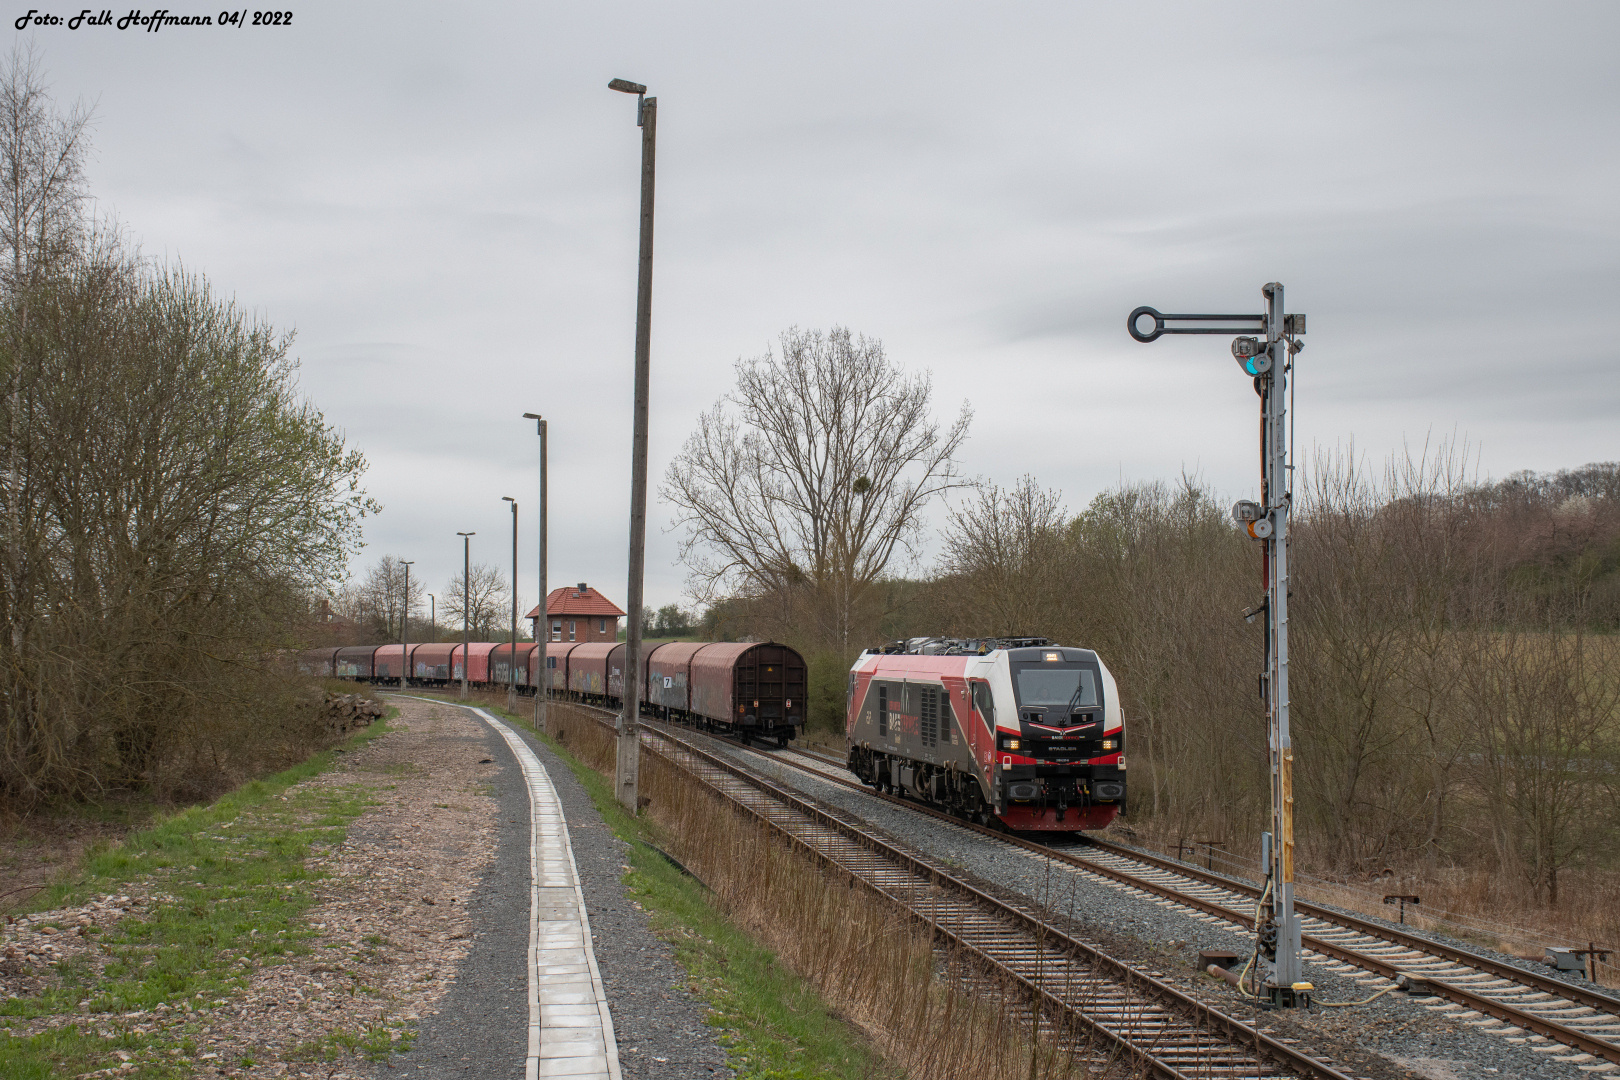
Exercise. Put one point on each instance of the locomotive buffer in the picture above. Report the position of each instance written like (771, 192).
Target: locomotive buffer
(1266, 354)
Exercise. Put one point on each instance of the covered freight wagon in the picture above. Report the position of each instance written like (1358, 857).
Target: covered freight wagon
(389, 663)
(354, 662)
(318, 662)
(500, 664)
(587, 670)
(430, 662)
(752, 687)
(557, 664)
(669, 672)
(477, 667)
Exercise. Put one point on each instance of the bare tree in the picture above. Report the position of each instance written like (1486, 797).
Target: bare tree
(42, 188)
(488, 602)
(383, 594)
(807, 481)
(1545, 704)
(42, 181)
(1007, 544)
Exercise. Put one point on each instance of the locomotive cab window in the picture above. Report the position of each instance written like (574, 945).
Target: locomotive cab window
(1059, 689)
(984, 702)
(883, 710)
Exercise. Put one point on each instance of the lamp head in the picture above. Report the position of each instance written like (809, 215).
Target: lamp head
(508, 498)
(625, 86)
(466, 534)
(1252, 355)
(532, 416)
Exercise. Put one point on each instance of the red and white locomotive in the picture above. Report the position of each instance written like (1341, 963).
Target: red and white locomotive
(1014, 730)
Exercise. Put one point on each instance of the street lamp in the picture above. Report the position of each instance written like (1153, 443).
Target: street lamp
(627, 758)
(433, 617)
(405, 626)
(466, 604)
(511, 666)
(543, 690)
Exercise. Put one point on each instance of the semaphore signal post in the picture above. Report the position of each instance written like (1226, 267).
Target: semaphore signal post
(1266, 354)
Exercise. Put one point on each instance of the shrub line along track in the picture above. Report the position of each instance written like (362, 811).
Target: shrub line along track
(1392, 965)
(1156, 1026)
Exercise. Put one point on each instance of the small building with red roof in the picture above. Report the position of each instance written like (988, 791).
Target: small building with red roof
(577, 613)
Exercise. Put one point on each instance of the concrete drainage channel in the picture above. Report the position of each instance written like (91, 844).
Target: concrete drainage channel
(1084, 996)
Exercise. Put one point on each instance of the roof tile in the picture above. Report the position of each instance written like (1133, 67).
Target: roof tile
(571, 601)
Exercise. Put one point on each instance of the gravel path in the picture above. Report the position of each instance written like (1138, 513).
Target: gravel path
(478, 1030)
(1392, 1036)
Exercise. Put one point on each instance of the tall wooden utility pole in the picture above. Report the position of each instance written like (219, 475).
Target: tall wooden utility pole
(466, 604)
(404, 626)
(628, 759)
(511, 664)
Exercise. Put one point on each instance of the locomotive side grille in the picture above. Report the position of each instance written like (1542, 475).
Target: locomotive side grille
(928, 721)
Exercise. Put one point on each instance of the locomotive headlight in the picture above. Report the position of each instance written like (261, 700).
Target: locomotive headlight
(1009, 744)
(1110, 744)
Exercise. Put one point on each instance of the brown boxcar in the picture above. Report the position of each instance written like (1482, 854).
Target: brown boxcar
(557, 664)
(669, 675)
(587, 669)
(478, 668)
(354, 662)
(430, 662)
(318, 662)
(750, 686)
(500, 663)
(389, 663)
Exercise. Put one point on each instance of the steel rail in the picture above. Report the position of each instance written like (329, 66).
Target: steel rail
(1437, 986)
(1540, 982)
(1441, 987)
(1235, 1032)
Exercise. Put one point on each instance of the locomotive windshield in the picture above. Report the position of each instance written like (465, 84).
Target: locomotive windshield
(1063, 689)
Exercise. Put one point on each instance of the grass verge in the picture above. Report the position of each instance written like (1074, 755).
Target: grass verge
(227, 886)
(775, 1025)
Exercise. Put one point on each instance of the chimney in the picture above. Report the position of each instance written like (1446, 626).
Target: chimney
(582, 588)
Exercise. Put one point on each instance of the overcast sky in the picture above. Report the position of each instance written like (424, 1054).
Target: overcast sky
(443, 205)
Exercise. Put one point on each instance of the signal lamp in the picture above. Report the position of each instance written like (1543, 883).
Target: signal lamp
(1252, 356)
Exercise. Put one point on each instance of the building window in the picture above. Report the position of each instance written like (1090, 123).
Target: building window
(603, 627)
(571, 630)
(556, 630)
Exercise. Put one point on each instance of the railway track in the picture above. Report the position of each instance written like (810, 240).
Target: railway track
(1138, 1019)
(1498, 997)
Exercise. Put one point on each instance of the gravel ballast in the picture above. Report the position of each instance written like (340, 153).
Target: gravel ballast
(1394, 1035)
